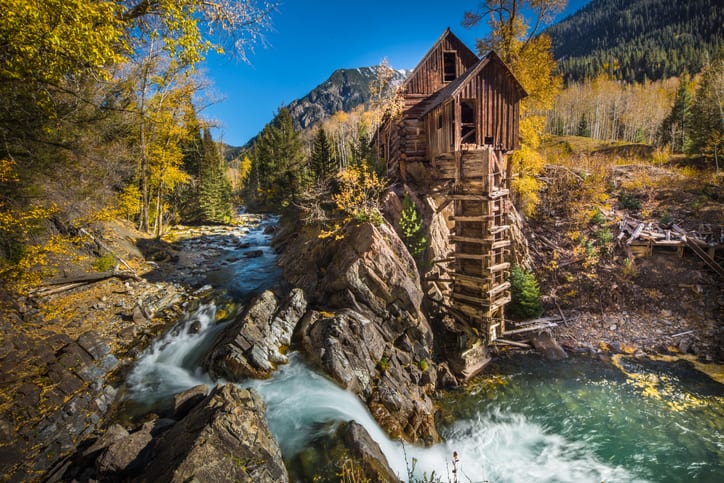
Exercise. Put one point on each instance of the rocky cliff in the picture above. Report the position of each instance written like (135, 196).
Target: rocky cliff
(365, 326)
(343, 91)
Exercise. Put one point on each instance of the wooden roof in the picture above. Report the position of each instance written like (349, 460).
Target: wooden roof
(463, 50)
(455, 86)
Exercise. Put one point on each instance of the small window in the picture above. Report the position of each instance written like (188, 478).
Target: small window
(449, 63)
(439, 121)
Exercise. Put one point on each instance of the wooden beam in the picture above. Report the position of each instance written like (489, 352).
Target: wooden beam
(468, 239)
(443, 205)
(499, 267)
(513, 343)
(469, 218)
(500, 244)
(500, 288)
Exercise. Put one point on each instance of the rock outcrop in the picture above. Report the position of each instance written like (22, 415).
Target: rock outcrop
(368, 332)
(224, 437)
(347, 453)
(254, 344)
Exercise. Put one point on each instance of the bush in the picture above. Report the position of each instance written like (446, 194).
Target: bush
(629, 201)
(525, 294)
(411, 226)
(105, 263)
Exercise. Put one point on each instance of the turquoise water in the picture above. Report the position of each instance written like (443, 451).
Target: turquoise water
(526, 420)
(663, 422)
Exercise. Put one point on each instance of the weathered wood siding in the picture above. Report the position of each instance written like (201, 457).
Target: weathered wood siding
(427, 78)
(495, 101)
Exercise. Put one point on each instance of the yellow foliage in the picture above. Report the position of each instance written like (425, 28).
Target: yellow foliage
(359, 191)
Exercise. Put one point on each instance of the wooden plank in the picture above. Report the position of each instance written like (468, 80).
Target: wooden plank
(470, 278)
(470, 218)
(443, 205)
(531, 328)
(500, 288)
(499, 267)
(513, 343)
(498, 229)
(636, 233)
(471, 256)
(494, 195)
(500, 244)
(469, 239)
(470, 298)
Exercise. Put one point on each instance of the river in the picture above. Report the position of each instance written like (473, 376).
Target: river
(578, 420)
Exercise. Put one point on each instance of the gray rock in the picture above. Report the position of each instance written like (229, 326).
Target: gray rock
(255, 343)
(367, 452)
(185, 401)
(355, 351)
(127, 454)
(225, 438)
(547, 345)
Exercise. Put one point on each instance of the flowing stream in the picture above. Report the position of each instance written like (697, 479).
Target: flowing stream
(579, 420)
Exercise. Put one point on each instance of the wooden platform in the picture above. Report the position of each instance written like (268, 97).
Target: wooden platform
(479, 267)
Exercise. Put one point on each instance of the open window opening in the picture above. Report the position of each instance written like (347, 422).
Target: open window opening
(467, 122)
(449, 62)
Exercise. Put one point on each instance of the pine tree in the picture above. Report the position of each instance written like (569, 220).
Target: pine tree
(707, 113)
(322, 160)
(278, 163)
(411, 227)
(525, 294)
(214, 187)
(583, 129)
(675, 129)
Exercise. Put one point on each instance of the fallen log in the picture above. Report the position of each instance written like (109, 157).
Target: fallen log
(93, 277)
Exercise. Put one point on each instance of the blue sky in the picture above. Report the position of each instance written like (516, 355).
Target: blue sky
(312, 38)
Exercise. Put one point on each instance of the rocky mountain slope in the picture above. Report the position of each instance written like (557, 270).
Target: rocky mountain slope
(343, 91)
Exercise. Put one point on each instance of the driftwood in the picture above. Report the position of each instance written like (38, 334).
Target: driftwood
(59, 285)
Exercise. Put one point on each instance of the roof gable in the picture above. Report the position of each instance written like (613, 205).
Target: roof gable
(454, 87)
(446, 42)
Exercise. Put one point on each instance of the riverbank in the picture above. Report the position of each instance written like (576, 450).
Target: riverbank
(64, 355)
(66, 350)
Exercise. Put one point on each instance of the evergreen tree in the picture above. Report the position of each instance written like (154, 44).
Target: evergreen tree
(525, 294)
(411, 227)
(278, 163)
(214, 187)
(583, 128)
(707, 113)
(361, 146)
(322, 161)
(675, 129)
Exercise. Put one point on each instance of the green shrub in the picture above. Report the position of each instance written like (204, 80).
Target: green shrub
(525, 294)
(105, 263)
(598, 218)
(411, 226)
(423, 365)
(629, 201)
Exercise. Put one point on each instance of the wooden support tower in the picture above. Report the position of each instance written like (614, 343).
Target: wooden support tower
(482, 240)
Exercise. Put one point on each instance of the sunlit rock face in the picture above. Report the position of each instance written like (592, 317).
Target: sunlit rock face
(367, 329)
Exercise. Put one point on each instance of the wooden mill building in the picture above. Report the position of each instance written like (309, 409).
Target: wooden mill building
(460, 119)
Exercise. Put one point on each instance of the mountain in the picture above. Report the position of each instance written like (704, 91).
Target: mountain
(343, 91)
(633, 40)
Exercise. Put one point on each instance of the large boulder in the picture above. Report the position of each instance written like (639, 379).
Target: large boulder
(254, 344)
(224, 438)
(391, 371)
(369, 332)
(369, 269)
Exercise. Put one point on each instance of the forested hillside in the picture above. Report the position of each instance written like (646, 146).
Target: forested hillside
(637, 40)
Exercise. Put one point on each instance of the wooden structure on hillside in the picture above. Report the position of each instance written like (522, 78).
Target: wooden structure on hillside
(460, 119)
